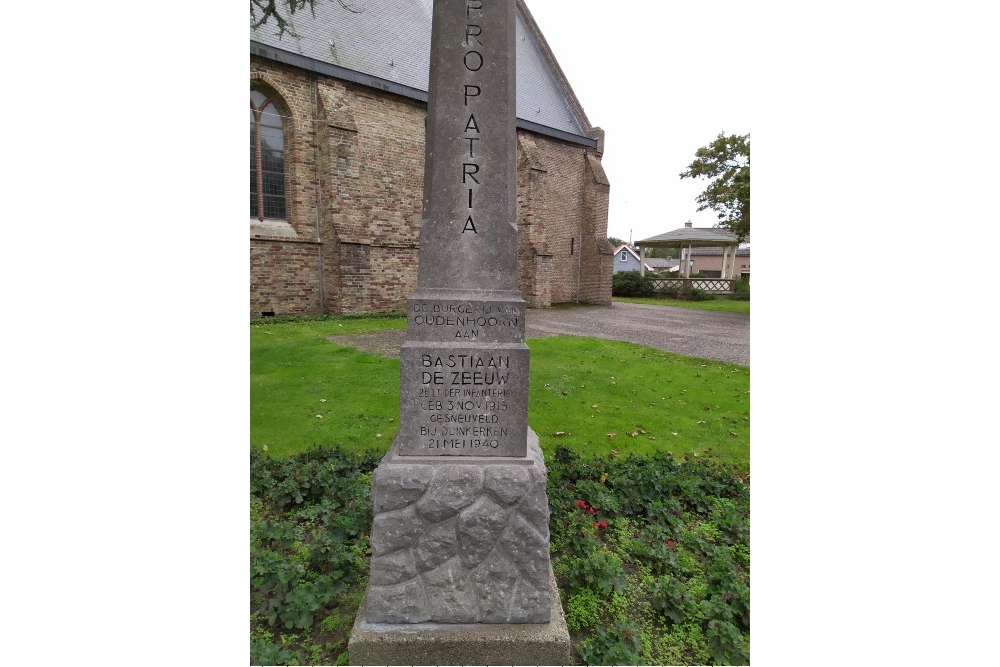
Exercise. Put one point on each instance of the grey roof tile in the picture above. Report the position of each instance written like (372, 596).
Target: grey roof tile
(717, 251)
(390, 40)
(694, 235)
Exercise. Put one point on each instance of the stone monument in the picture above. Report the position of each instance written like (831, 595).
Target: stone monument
(460, 569)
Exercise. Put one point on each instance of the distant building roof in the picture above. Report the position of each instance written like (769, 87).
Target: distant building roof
(742, 252)
(389, 44)
(662, 262)
(705, 236)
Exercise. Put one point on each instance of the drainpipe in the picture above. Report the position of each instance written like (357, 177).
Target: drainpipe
(319, 195)
(579, 256)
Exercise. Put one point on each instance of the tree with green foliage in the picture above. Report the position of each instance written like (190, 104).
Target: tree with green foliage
(661, 253)
(615, 241)
(726, 162)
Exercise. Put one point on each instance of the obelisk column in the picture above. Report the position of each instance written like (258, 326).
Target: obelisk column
(460, 531)
(464, 365)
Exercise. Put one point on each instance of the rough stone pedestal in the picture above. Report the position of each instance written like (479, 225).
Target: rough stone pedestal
(463, 643)
(460, 539)
(460, 569)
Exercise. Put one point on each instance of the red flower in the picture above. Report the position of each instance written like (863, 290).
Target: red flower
(670, 544)
(592, 510)
(601, 524)
(582, 504)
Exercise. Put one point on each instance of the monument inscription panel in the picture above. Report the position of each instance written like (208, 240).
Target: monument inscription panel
(482, 321)
(464, 400)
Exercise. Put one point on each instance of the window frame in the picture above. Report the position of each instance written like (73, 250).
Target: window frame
(267, 106)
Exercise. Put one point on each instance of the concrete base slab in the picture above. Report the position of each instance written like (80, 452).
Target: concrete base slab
(463, 643)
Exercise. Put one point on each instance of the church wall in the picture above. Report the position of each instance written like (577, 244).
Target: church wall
(354, 157)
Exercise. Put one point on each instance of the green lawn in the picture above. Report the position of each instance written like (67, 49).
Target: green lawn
(305, 390)
(723, 305)
(651, 552)
(597, 396)
(594, 396)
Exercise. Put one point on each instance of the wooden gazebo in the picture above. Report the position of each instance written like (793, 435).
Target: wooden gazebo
(688, 237)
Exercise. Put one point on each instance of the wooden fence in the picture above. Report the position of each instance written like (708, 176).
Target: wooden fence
(711, 285)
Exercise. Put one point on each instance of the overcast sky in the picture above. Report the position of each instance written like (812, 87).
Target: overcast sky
(662, 79)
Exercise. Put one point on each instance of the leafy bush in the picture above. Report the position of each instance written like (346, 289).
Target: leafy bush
(621, 644)
(599, 570)
(684, 645)
(651, 554)
(630, 283)
(671, 598)
(310, 517)
(582, 610)
(668, 291)
(729, 645)
(263, 651)
(694, 294)
(742, 291)
(666, 550)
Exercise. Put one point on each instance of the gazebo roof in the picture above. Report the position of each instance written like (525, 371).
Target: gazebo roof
(691, 236)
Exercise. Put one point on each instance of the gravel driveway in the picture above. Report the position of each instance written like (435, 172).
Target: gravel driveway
(696, 333)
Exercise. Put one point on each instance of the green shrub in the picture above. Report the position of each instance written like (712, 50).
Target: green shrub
(265, 652)
(619, 645)
(672, 558)
(583, 610)
(630, 283)
(729, 645)
(662, 578)
(310, 517)
(670, 598)
(599, 570)
(742, 291)
(668, 291)
(693, 294)
(683, 645)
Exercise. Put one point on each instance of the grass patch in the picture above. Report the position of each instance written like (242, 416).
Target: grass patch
(580, 391)
(721, 305)
(599, 397)
(297, 374)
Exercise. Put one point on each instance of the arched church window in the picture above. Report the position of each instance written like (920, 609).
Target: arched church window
(267, 159)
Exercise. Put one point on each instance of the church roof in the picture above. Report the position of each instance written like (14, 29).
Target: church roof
(386, 44)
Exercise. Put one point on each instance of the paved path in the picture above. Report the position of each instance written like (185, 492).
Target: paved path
(696, 333)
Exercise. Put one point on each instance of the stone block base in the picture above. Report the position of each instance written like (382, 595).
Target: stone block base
(463, 643)
(460, 539)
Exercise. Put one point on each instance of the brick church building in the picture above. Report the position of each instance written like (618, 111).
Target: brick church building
(337, 110)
